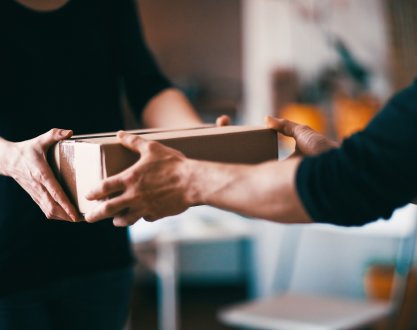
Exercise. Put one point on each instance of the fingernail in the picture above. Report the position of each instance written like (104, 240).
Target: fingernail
(118, 223)
(64, 132)
(87, 218)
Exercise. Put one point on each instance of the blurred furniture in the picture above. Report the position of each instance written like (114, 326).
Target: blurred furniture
(167, 270)
(351, 115)
(298, 311)
(379, 279)
(198, 225)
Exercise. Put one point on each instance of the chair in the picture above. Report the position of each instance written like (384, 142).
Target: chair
(295, 310)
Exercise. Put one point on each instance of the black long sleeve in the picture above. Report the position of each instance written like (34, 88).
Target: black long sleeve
(373, 173)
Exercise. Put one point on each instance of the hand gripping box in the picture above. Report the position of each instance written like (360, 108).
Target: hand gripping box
(81, 162)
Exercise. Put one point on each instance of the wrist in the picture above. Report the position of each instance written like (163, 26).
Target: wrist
(4, 157)
(193, 192)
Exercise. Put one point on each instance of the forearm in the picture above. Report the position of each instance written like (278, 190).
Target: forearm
(170, 108)
(264, 191)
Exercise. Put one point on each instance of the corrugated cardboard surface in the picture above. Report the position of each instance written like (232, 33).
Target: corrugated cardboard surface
(83, 161)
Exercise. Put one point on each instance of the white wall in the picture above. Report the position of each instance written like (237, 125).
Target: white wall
(275, 35)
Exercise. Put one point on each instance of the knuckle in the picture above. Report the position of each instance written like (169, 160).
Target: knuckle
(300, 129)
(36, 187)
(132, 221)
(49, 215)
(105, 186)
(50, 208)
(145, 147)
(129, 138)
(149, 218)
(136, 214)
(152, 146)
(54, 196)
(149, 146)
(134, 139)
(55, 209)
(108, 208)
(130, 178)
(36, 177)
(125, 223)
(53, 131)
(41, 175)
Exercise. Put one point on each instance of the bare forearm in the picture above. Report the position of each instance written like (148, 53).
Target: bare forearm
(170, 108)
(264, 191)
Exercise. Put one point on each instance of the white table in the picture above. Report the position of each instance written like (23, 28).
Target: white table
(199, 225)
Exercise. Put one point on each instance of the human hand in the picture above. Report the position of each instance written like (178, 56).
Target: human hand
(153, 188)
(27, 164)
(223, 120)
(308, 141)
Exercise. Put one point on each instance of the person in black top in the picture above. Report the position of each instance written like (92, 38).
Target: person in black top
(65, 63)
(367, 177)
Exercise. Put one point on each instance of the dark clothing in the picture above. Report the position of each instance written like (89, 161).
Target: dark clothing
(65, 69)
(79, 303)
(372, 174)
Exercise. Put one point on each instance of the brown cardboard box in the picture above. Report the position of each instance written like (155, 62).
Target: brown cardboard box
(81, 162)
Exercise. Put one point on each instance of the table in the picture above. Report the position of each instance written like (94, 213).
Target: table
(200, 225)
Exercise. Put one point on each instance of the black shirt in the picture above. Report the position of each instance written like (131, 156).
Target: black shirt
(373, 173)
(65, 69)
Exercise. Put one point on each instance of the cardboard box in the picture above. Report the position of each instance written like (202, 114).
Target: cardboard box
(81, 162)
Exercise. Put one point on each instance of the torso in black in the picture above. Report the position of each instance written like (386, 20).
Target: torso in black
(65, 69)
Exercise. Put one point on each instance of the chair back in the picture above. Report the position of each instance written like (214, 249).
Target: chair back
(331, 260)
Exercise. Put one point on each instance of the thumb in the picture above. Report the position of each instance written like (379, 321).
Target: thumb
(273, 123)
(132, 142)
(223, 120)
(53, 136)
(282, 126)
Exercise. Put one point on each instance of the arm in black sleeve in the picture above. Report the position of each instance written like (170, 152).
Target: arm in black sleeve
(141, 75)
(371, 174)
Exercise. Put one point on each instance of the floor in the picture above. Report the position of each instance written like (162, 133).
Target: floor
(199, 305)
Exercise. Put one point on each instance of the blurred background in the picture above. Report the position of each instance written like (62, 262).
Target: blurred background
(330, 64)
